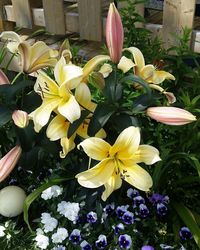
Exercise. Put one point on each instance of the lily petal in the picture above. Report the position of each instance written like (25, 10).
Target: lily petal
(83, 95)
(147, 154)
(125, 64)
(138, 57)
(92, 64)
(59, 71)
(137, 176)
(105, 70)
(98, 175)
(111, 185)
(70, 109)
(147, 72)
(127, 143)
(41, 115)
(160, 76)
(57, 128)
(67, 145)
(95, 148)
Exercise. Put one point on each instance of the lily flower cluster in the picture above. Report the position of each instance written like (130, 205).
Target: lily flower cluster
(71, 112)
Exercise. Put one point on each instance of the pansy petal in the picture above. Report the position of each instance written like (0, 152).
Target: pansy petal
(147, 154)
(67, 145)
(125, 64)
(98, 175)
(136, 176)
(160, 76)
(95, 148)
(138, 57)
(57, 128)
(70, 109)
(127, 143)
(111, 185)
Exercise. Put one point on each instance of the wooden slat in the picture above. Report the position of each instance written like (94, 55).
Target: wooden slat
(22, 12)
(54, 16)
(177, 15)
(90, 22)
(4, 24)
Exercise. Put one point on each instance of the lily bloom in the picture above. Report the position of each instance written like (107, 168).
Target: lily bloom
(8, 162)
(57, 95)
(114, 33)
(20, 118)
(148, 72)
(118, 162)
(170, 115)
(36, 56)
(3, 78)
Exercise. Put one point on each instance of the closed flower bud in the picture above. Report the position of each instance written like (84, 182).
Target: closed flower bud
(8, 162)
(96, 79)
(20, 118)
(170, 115)
(114, 33)
(3, 78)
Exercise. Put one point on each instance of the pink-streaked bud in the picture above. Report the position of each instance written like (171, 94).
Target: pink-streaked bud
(20, 118)
(3, 78)
(114, 33)
(170, 115)
(8, 162)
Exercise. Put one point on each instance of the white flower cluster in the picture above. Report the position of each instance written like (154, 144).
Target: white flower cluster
(51, 192)
(69, 209)
(49, 222)
(2, 229)
(60, 235)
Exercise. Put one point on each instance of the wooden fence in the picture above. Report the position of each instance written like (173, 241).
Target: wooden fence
(87, 17)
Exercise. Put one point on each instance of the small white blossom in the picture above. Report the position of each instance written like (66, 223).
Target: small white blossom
(42, 241)
(39, 231)
(59, 247)
(2, 229)
(69, 210)
(49, 222)
(60, 235)
(51, 192)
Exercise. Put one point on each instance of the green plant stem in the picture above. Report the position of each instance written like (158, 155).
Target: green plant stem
(9, 62)
(16, 77)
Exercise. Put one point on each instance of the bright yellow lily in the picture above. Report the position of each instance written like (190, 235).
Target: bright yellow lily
(147, 72)
(35, 57)
(118, 162)
(57, 95)
(58, 129)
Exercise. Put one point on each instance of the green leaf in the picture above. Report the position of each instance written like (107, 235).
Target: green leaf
(5, 115)
(74, 126)
(101, 115)
(31, 197)
(123, 121)
(9, 91)
(131, 79)
(189, 219)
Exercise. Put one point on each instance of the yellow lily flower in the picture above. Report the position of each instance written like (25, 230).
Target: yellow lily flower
(57, 94)
(118, 162)
(35, 57)
(147, 72)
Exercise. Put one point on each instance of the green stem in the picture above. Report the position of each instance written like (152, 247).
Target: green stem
(16, 77)
(9, 62)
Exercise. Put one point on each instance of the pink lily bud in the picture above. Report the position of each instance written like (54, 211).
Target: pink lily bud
(114, 33)
(3, 78)
(170, 115)
(20, 118)
(8, 162)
